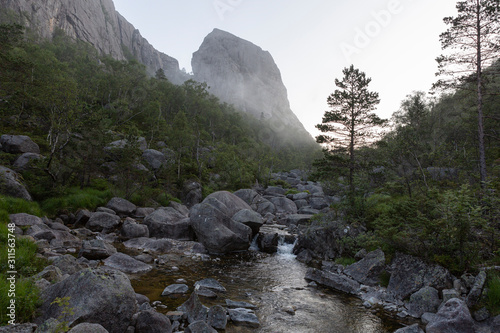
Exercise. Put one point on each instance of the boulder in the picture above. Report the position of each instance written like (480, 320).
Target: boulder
(367, 271)
(284, 205)
(194, 310)
(301, 196)
(150, 321)
(318, 203)
(23, 162)
(297, 219)
(100, 221)
(10, 184)
(126, 264)
(132, 229)
(67, 264)
(173, 289)
(452, 317)
(154, 159)
(97, 249)
(275, 191)
(180, 208)
(249, 218)
(82, 217)
(24, 220)
(18, 144)
(217, 317)
(410, 274)
(238, 304)
(410, 329)
(424, 300)
(169, 223)
(101, 296)
(191, 193)
(210, 284)
(19, 328)
(88, 328)
(333, 280)
(199, 327)
(121, 206)
(268, 242)
(232, 203)
(477, 289)
(246, 317)
(164, 245)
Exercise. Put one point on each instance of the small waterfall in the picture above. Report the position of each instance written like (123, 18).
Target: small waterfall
(254, 246)
(285, 250)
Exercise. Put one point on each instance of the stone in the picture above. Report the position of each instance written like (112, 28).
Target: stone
(96, 249)
(191, 193)
(449, 294)
(154, 159)
(132, 229)
(100, 221)
(232, 204)
(19, 328)
(126, 264)
(234, 304)
(88, 328)
(121, 206)
(169, 223)
(180, 208)
(477, 289)
(482, 314)
(193, 309)
(67, 264)
(410, 329)
(284, 205)
(104, 296)
(174, 289)
(318, 203)
(211, 284)
(82, 217)
(249, 218)
(49, 326)
(150, 321)
(23, 220)
(11, 185)
(367, 271)
(165, 245)
(23, 162)
(199, 327)
(298, 219)
(424, 300)
(275, 191)
(142, 212)
(217, 317)
(18, 144)
(50, 273)
(245, 317)
(453, 316)
(333, 280)
(268, 242)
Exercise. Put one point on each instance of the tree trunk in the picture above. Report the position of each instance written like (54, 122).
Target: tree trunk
(482, 153)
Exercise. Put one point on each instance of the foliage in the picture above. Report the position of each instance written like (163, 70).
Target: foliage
(493, 295)
(75, 199)
(66, 312)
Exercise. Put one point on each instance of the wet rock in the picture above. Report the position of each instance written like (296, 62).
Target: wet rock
(211, 284)
(199, 327)
(424, 300)
(367, 271)
(305, 256)
(234, 304)
(18, 144)
(333, 280)
(100, 221)
(126, 264)
(410, 329)
(132, 229)
(169, 223)
(217, 317)
(174, 289)
(101, 295)
(453, 316)
(244, 317)
(96, 249)
(88, 328)
(150, 321)
(121, 206)
(268, 242)
(249, 218)
(193, 309)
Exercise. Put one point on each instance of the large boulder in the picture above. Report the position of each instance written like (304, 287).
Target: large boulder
(88, 328)
(232, 203)
(168, 222)
(150, 321)
(101, 221)
(101, 296)
(11, 185)
(97, 249)
(23, 161)
(477, 289)
(191, 193)
(132, 229)
(165, 245)
(249, 218)
(23, 220)
(284, 205)
(126, 264)
(18, 144)
(424, 300)
(154, 158)
(333, 280)
(194, 310)
(367, 270)
(453, 317)
(121, 206)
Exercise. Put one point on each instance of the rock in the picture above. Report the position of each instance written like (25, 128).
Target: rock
(23, 162)
(275, 191)
(249, 218)
(453, 316)
(367, 271)
(19, 328)
(49, 326)
(199, 327)
(244, 317)
(100, 221)
(121, 206)
(88, 328)
(424, 300)
(194, 310)
(18, 144)
(154, 158)
(217, 317)
(268, 242)
(233, 305)
(211, 284)
(50, 273)
(410, 274)
(150, 321)
(126, 264)
(82, 217)
(477, 289)
(180, 208)
(308, 211)
(131, 229)
(105, 210)
(301, 196)
(482, 314)
(143, 211)
(205, 292)
(360, 254)
(305, 256)
(191, 193)
(298, 219)
(318, 203)
(284, 205)
(410, 329)
(449, 294)
(103, 296)
(23, 220)
(332, 280)
(174, 289)
(165, 245)
(96, 249)
(67, 264)
(11, 185)
(169, 223)
(232, 204)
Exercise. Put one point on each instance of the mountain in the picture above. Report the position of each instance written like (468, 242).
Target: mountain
(96, 22)
(242, 74)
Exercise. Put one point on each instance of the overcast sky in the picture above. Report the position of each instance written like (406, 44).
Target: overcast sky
(395, 42)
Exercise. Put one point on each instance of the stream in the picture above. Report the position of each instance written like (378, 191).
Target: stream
(275, 283)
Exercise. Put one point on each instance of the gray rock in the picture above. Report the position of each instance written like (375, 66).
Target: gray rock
(301, 196)
(121, 206)
(103, 296)
(318, 203)
(298, 219)
(150, 321)
(284, 205)
(234, 305)
(18, 144)
(449, 294)
(332, 280)
(367, 271)
(100, 221)
(249, 218)
(194, 310)
(175, 289)
(143, 211)
(105, 210)
(19, 328)
(424, 300)
(308, 210)
(211, 284)
(67, 264)
(126, 264)
(97, 249)
(165, 245)
(50, 273)
(452, 317)
(199, 327)
(49, 326)
(154, 158)
(245, 317)
(169, 223)
(232, 204)
(217, 317)
(477, 289)
(24, 161)
(410, 329)
(275, 191)
(191, 193)
(180, 208)
(11, 185)
(131, 229)
(88, 328)
(482, 314)
(82, 217)
(23, 220)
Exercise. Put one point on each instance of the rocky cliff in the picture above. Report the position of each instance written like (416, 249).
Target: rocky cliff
(94, 21)
(241, 73)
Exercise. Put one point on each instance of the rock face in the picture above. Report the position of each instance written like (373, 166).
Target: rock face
(98, 23)
(242, 74)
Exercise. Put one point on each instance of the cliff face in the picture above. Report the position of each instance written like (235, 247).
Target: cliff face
(96, 22)
(241, 73)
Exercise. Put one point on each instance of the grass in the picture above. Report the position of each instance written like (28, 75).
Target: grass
(75, 199)
(493, 296)
(345, 261)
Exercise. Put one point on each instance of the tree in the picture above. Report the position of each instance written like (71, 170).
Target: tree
(473, 40)
(350, 120)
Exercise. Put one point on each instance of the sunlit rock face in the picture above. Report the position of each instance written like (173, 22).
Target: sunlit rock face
(242, 74)
(96, 22)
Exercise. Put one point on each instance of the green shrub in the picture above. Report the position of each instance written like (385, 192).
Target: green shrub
(493, 296)
(12, 205)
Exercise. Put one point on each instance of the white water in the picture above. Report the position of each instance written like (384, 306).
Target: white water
(285, 250)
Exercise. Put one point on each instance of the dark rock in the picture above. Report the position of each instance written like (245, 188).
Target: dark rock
(169, 223)
(318, 203)
(131, 229)
(100, 221)
(121, 206)
(482, 314)
(150, 321)
(154, 158)
(82, 217)
(50, 273)
(268, 242)
(424, 300)
(217, 317)
(244, 317)
(191, 193)
(205, 292)
(18, 144)
(367, 271)
(88, 328)
(477, 289)
(308, 211)
(305, 256)
(194, 310)
(97, 249)
(180, 208)
(410, 329)
(126, 264)
(141, 299)
(19, 328)
(284, 205)
(231, 203)
(249, 218)
(175, 289)
(333, 280)
(199, 327)
(11, 185)
(211, 284)
(298, 219)
(234, 304)
(24, 161)
(102, 296)
(452, 317)
(275, 191)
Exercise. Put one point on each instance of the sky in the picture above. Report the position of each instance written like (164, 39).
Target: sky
(395, 42)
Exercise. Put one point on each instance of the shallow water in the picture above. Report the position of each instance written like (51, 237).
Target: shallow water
(273, 283)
